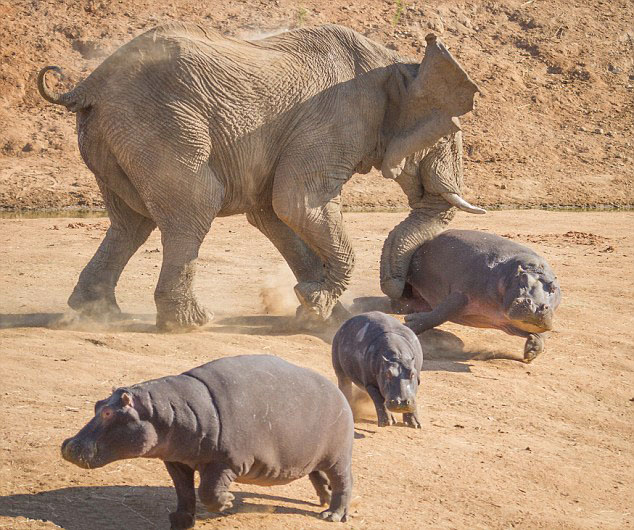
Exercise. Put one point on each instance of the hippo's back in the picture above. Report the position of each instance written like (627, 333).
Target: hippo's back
(466, 245)
(464, 260)
(275, 416)
(364, 328)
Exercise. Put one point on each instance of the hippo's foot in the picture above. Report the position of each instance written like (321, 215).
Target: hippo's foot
(224, 501)
(182, 520)
(316, 300)
(533, 347)
(410, 419)
(95, 302)
(180, 315)
(336, 516)
(385, 418)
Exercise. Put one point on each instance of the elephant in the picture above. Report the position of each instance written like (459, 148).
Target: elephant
(183, 124)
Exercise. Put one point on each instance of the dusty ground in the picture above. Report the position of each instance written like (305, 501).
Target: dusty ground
(553, 126)
(503, 444)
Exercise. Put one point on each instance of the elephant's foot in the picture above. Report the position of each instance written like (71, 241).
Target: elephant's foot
(180, 315)
(393, 287)
(317, 302)
(95, 302)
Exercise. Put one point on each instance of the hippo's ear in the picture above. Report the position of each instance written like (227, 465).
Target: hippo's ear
(126, 399)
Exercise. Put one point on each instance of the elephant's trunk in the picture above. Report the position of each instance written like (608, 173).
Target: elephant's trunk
(432, 216)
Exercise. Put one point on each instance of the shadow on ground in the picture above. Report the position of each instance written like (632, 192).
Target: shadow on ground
(110, 507)
(444, 351)
(74, 321)
(273, 325)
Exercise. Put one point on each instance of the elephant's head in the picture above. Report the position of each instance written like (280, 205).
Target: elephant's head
(423, 153)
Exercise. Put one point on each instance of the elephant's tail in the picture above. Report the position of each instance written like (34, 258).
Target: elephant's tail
(74, 100)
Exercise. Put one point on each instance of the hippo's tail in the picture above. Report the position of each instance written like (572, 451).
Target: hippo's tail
(74, 100)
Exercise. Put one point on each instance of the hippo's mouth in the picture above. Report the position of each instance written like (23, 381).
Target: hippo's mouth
(401, 408)
(532, 326)
(81, 455)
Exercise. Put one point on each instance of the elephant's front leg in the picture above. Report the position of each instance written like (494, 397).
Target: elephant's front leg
(305, 264)
(321, 227)
(94, 294)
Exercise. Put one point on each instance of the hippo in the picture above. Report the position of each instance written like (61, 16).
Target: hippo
(382, 356)
(253, 419)
(481, 280)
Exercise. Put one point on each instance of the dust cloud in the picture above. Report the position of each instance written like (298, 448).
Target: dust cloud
(362, 406)
(277, 294)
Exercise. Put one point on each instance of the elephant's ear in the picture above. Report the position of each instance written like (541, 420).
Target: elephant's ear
(442, 82)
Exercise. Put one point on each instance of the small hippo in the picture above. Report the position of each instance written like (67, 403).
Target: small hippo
(379, 354)
(253, 419)
(482, 280)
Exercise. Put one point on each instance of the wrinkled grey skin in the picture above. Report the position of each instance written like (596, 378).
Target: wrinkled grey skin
(182, 125)
(253, 419)
(382, 356)
(482, 280)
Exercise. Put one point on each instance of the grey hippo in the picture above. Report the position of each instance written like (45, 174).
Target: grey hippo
(481, 280)
(383, 357)
(253, 419)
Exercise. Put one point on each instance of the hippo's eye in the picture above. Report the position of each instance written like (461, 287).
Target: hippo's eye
(107, 413)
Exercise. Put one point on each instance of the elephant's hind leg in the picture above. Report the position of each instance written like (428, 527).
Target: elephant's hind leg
(94, 294)
(184, 218)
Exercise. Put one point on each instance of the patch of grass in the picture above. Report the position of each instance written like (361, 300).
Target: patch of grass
(301, 16)
(400, 7)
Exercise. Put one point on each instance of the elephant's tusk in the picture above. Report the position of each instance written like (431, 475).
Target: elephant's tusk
(456, 200)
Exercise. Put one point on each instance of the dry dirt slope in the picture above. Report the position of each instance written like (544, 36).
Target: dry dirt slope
(553, 127)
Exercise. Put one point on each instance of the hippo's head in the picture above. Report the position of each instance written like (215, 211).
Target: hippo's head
(530, 296)
(398, 381)
(117, 431)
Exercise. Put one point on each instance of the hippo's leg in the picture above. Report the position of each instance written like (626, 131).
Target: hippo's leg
(385, 417)
(320, 481)
(448, 309)
(534, 346)
(411, 419)
(409, 302)
(340, 477)
(183, 477)
(213, 491)
(345, 385)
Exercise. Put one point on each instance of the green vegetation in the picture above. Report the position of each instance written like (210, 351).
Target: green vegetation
(400, 7)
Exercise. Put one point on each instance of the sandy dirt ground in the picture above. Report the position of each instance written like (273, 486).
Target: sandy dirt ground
(503, 444)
